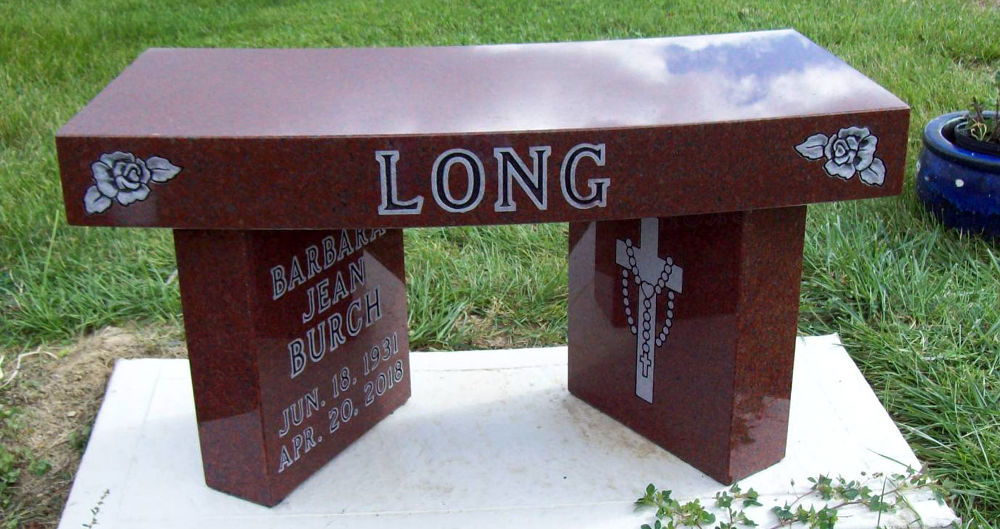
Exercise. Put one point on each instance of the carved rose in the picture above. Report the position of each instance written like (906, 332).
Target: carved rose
(850, 151)
(124, 177)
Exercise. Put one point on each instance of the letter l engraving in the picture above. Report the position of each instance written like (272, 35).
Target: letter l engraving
(390, 204)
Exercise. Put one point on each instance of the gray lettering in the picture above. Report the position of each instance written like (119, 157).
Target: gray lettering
(511, 167)
(372, 306)
(297, 356)
(475, 175)
(598, 186)
(353, 330)
(278, 283)
(312, 261)
(329, 251)
(391, 204)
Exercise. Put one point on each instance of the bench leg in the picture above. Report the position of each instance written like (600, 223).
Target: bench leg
(697, 354)
(298, 345)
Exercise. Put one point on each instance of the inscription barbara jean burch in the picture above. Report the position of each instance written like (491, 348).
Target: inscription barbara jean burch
(653, 275)
(319, 346)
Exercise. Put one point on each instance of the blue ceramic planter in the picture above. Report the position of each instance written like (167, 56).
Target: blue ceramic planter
(960, 187)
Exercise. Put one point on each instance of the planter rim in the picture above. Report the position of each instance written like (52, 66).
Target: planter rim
(935, 140)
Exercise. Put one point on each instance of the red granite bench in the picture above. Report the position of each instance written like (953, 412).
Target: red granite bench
(683, 165)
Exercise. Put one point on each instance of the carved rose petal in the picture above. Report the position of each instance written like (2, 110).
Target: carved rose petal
(874, 174)
(859, 132)
(102, 177)
(866, 153)
(125, 184)
(145, 174)
(94, 201)
(813, 147)
(127, 197)
(161, 168)
(117, 156)
(842, 155)
(845, 171)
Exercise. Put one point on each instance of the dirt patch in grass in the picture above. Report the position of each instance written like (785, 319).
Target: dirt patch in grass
(50, 407)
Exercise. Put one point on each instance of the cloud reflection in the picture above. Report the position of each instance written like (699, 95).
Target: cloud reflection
(478, 89)
(649, 82)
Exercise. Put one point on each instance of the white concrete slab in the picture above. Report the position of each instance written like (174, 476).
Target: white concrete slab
(489, 439)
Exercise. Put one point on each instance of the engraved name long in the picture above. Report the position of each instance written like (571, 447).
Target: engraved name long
(510, 168)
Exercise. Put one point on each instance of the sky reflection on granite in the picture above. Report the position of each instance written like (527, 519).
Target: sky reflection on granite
(600, 84)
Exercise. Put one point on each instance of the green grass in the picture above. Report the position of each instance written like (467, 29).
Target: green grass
(471, 288)
(917, 306)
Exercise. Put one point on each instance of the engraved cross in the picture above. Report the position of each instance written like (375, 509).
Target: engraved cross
(653, 275)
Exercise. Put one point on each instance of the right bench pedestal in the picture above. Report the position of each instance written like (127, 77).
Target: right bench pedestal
(697, 353)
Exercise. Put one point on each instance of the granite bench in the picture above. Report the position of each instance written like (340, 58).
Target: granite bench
(683, 166)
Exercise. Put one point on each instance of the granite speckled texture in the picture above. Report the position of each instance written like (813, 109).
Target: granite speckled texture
(270, 139)
(239, 339)
(722, 376)
(265, 161)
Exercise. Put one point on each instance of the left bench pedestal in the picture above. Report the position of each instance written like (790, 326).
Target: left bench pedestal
(298, 345)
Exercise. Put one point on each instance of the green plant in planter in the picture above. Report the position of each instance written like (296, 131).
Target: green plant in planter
(981, 125)
(958, 174)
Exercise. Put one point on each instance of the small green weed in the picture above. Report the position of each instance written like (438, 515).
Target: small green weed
(78, 438)
(9, 474)
(734, 503)
(39, 467)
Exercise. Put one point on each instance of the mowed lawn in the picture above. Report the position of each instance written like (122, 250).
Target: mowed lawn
(917, 306)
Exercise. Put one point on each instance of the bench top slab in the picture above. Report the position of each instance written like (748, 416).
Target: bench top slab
(289, 138)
